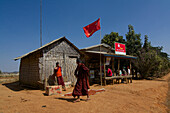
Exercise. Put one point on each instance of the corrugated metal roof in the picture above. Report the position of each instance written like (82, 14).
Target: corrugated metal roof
(97, 52)
(121, 56)
(46, 46)
(103, 44)
(112, 55)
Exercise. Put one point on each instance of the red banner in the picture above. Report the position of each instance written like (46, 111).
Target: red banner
(120, 48)
(92, 28)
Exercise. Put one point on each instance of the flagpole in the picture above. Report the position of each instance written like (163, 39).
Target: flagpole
(100, 60)
(43, 74)
(40, 23)
(89, 30)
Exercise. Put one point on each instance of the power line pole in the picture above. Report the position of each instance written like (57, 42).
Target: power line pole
(40, 22)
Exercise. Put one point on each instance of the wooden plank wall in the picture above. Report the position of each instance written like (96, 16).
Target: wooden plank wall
(60, 52)
(35, 67)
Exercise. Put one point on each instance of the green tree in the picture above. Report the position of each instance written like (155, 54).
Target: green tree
(159, 51)
(151, 61)
(164, 66)
(133, 41)
(111, 38)
(147, 62)
(147, 45)
(0, 71)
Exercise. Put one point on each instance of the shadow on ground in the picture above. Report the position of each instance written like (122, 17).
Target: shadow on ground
(67, 99)
(15, 86)
(70, 99)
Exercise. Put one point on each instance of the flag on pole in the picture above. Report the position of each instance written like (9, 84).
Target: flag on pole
(92, 28)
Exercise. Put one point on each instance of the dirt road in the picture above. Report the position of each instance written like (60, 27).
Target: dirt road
(141, 96)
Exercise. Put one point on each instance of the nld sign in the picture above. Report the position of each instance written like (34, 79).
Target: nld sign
(120, 48)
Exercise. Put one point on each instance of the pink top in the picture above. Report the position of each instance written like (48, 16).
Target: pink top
(109, 72)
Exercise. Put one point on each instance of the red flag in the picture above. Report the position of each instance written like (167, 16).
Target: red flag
(92, 28)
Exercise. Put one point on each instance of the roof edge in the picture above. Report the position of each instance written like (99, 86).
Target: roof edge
(17, 58)
(103, 44)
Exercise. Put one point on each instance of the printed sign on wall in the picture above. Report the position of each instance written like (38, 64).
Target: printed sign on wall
(120, 48)
(108, 60)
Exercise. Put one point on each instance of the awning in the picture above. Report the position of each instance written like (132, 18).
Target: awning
(121, 56)
(112, 55)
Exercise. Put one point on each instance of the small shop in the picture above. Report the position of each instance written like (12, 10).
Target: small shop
(108, 58)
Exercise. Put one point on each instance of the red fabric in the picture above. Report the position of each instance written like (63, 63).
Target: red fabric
(60, 81)
(109, 72)
(57, 71)
(82, 85)
(91, 28)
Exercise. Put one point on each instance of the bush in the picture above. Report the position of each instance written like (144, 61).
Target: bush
(150, 64)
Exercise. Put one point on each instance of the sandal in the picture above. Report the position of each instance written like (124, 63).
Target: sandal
(78, 100)
(87, 99)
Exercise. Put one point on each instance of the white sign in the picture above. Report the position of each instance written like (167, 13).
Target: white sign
(108, 60)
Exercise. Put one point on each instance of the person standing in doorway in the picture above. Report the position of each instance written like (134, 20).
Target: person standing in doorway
(82, 84)
(58, 74)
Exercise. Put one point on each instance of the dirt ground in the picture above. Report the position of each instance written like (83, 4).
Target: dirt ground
(141, 96)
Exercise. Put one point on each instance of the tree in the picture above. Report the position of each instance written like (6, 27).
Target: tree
(0, 71)
(133, 41)
(111, 38)
(147, 63)
(159, 51)
(147, 45)
(151, 61)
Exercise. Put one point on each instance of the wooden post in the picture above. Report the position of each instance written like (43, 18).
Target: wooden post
(118, 66)
(101, 78)
(113, 69)
(130, 68)
(44, 71)
(126, 80)
(104, 70)
(45, 84)
(64, 63)
(45, 80)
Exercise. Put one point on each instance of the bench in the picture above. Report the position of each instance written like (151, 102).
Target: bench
(118, 78)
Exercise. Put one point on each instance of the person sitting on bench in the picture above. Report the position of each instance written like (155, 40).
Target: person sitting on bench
(109, 72)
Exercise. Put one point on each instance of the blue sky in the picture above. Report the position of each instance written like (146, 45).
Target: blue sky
(20, 23)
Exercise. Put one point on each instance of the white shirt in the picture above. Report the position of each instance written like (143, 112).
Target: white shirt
(128, 71)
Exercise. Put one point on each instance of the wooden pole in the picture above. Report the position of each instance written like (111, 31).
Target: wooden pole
(104, 70)
(118, 66)
(100, 61)
(113, 68)
(40, 22)
(45, 72)
(64, 63)
(130, 67)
